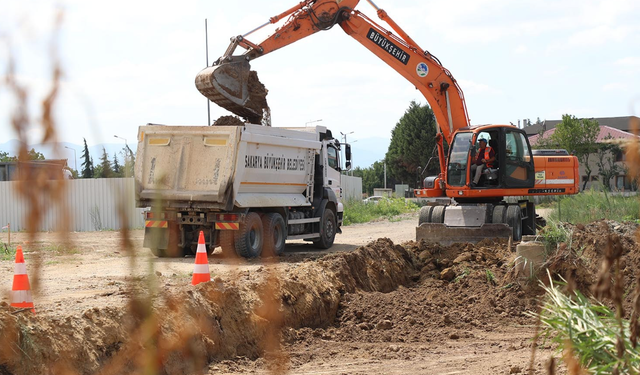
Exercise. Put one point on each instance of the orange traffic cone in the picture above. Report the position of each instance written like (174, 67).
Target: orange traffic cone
(201, 269)
(21, 291)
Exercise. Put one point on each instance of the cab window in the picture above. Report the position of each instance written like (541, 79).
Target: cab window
(332, 155)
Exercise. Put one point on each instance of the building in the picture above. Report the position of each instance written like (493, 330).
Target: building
(15, 170)
(619, 128)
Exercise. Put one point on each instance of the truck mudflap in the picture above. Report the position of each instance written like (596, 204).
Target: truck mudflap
(445, 235)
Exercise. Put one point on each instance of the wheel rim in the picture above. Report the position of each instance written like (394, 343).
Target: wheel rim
(328, 228)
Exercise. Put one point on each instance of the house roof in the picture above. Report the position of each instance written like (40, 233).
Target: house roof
(622, 123)
(605, 132)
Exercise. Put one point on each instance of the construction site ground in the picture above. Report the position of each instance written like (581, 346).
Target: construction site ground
(377, 302)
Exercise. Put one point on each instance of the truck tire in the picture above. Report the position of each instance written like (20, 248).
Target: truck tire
(249, 237)
(274, 234)
(160, 253)
(327, 230)
(425, 215)
(227, 243)
(514, 220)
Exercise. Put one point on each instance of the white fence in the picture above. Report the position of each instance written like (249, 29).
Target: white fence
(88, 205)
(95, 204)
(351, 187)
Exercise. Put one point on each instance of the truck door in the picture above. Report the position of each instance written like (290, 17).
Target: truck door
(333, 172)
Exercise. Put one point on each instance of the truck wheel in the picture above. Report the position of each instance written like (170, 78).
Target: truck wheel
(227, 243)
(274, 234)
(327, 230)
(160, 253)
(425, 215)
(249, 237)
(514, 220)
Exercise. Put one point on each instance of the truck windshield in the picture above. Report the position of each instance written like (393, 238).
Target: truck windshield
(458, 157)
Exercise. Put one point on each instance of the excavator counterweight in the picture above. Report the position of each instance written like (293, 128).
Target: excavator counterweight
(233, 86)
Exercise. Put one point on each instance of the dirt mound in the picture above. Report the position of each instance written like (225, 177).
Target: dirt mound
(181, 330)
(383, 292)
(228, 120)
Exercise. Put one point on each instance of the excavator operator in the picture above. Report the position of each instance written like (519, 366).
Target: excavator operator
(485, 158)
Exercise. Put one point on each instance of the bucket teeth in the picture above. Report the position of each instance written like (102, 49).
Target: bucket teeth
(231, 86)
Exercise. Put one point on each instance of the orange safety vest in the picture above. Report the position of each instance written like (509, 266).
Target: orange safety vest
(487, 156)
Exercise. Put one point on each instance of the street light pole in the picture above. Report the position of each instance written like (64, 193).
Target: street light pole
(75, 159)
(311, 122)
(126, 145)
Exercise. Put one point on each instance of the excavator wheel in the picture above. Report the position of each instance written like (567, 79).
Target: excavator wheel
(437, 215)
(514, 220)
(498, 214)
(425, 215)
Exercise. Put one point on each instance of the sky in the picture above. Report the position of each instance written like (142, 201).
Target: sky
(129, 63)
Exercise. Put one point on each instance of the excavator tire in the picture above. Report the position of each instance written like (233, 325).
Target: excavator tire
(437, 215)
(498, 214)
(514, 220)
(425, 215)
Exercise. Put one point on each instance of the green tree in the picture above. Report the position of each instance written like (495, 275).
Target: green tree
(578, 136)
(606, 161)
(106, 171)
(87, 165)
(4, 157)
(372, 177)
(117, 168)
(34, 155)
(412, 144)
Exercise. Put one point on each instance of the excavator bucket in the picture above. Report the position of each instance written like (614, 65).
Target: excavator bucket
(233, 86)
(445, 235)
(448, 224)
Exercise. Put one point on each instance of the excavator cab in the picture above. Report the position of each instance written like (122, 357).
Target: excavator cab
(513, 167)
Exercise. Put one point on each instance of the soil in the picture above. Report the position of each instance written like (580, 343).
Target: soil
(228, 120)
(376, 303)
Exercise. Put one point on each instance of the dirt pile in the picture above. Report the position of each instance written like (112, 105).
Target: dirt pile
(380, 293)
(182, 330)
(228, 120)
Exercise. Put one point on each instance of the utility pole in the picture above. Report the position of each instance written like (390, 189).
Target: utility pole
(75, 160)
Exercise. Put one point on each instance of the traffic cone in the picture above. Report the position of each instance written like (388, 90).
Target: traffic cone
(21, 291)
(201, 269)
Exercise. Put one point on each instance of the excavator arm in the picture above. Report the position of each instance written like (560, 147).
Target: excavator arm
(228, 82)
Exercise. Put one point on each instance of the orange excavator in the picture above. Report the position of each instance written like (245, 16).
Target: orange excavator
(468, 210)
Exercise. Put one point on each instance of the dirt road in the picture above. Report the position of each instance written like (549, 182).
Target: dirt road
(413, 322)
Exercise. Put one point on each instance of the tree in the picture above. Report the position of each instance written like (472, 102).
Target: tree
(412, 144)
(372, 177)
(606, 161)
(105, 166)
(578, 136)
(117, 168)
(87, 165)
(4, 157)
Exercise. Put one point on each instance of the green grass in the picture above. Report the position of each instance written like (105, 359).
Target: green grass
(358, 212)
(591, 330)
(592, 205)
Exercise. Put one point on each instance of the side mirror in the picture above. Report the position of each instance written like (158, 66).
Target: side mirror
(347, 165)
(347, 153)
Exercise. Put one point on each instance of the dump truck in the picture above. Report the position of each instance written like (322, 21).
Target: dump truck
(249, 188)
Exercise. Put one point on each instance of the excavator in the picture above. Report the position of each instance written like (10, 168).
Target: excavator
(498, 205)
